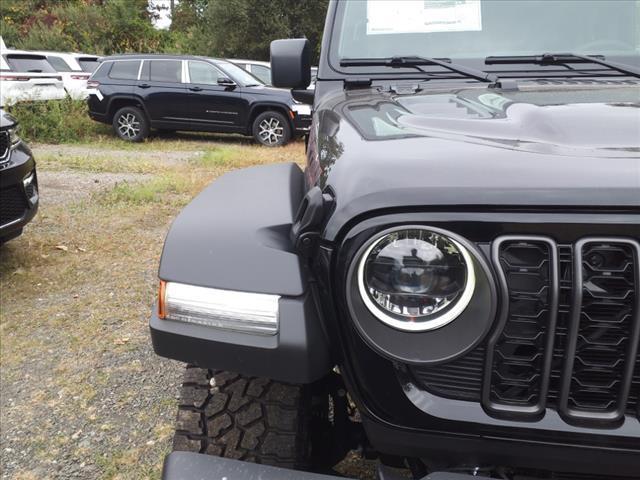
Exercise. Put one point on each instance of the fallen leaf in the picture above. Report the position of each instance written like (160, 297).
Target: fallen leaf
(64, 248)
(121, 341)
(82, 249)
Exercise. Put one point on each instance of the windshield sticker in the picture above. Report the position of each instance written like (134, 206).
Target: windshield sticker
(423, 16)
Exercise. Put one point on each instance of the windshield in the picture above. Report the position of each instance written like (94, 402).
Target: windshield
(239, 74)
(475, 29)
(29, 63)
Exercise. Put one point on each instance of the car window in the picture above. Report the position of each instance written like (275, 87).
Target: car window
(262, 72)
(88, 64)
(59, 64)
(29, 63)
(101, 69)
(201, 72)
(165, 71)
(238, 74)
(125, 70)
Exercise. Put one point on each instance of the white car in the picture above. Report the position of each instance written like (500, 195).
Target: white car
(75, 69)
(262, 70)
(28, 76)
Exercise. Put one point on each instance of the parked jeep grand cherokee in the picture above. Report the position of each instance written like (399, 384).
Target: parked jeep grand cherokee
(453, 283)
(135, 93)
(18, 180)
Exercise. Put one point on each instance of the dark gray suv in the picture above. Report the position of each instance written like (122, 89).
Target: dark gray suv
(136, 93)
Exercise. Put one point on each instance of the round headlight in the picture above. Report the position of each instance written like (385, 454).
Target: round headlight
(416, 279)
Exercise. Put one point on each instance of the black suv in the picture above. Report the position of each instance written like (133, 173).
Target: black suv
(18, 180)
(135, 93)
(453, 283)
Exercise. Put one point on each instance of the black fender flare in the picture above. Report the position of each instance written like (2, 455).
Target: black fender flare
(269, 105)
(230, 240)
(126, 96)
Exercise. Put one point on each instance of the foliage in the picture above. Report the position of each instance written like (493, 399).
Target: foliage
(56, 121)
(92, 26)
(223, 28)
(245, 28)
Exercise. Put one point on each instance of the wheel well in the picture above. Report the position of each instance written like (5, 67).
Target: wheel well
(265, 108)
(118, 103)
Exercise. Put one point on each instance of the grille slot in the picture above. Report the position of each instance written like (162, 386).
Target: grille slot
(12, 204)
(4, 145)
(594, 370)
(602, 341)
(519, 353)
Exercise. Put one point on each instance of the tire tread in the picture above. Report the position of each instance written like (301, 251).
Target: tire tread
(244, 418)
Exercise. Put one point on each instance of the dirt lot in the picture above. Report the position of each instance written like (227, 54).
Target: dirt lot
(82, 394)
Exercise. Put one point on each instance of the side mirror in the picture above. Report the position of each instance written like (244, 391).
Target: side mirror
(226, 82)
(291, 63)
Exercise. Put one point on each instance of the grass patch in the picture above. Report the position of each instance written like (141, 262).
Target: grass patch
(56, 121)
(101, 163)
(217, 157)
(155, 190)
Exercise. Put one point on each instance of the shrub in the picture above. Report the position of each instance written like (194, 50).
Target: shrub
(56, 121)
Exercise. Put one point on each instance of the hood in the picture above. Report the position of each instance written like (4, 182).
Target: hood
(273, 92)
(543, 146)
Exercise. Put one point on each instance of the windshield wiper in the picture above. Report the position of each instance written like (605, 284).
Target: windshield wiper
(561, 59)
(416, 62)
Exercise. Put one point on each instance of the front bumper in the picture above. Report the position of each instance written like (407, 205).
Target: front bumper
(191, 466)
(19, 203)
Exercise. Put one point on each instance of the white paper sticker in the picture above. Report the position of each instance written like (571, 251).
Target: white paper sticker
(423, 16)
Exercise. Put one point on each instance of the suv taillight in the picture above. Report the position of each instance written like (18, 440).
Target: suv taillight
(14, 78)
(80, 77)
(93, 84)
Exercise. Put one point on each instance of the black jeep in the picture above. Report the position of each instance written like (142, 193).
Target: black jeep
(452, 285)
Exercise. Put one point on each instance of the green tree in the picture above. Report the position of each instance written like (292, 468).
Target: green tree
(245, 28)
(93, 26)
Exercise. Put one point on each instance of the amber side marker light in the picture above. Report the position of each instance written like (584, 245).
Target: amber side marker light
(162, 290)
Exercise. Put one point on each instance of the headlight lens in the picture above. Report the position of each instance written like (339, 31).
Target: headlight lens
(416, 279)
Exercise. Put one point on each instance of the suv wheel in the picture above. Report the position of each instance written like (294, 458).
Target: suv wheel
(271, 129)
(130, 124)
(244, 418)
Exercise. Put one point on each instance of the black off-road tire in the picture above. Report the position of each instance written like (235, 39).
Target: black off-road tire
(281, 129)
(136, 118)
(243, 418)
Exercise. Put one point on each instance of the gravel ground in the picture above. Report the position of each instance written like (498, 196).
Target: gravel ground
(68, 187)
(82, 395)
(73, 403)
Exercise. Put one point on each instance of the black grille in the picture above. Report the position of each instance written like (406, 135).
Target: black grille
(567, 337)
(12, 204)
(519, 353)
(602, 339)
(4, 145)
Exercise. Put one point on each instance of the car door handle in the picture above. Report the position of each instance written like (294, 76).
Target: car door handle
(195, 89)
(144, 85)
